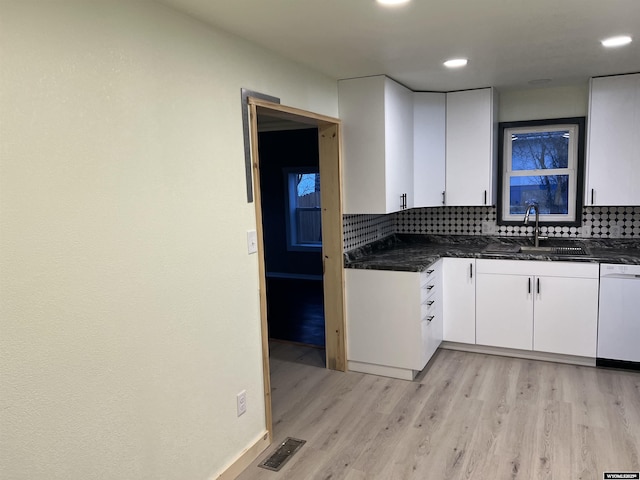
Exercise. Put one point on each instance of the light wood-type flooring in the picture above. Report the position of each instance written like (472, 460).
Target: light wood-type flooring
(467, 416)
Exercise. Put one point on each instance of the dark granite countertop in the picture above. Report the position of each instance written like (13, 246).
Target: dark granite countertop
(415, 253)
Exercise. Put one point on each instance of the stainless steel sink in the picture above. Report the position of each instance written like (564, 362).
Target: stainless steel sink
(509, 249)
(555, 250)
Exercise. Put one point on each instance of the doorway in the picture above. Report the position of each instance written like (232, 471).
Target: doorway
(290, 196)
(329, 147)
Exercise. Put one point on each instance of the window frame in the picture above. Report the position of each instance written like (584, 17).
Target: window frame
(575, 169)
(290, 211)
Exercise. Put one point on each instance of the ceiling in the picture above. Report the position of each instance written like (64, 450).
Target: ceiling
(509, 43)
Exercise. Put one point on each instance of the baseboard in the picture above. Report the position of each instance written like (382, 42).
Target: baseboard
(247, 456)
(528, 354)
(382, 370)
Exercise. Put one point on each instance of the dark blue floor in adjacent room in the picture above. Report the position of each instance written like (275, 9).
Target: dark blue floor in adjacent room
(295, 310)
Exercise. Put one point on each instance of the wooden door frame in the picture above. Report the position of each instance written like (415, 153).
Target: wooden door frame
(330, 145)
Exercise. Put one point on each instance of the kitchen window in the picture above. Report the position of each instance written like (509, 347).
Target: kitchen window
(541, 162)
(304, 225)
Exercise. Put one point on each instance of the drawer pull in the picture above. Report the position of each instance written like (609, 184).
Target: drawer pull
(431, 302)
(429, 287)
(429, 272)
(431, 317)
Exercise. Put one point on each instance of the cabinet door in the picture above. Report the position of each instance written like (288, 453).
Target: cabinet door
(398, 113)
(470, 159)
(613, 155)
(361, 103)
(383, 318)
(566, 315)
(504, 311)
(377, 123)
(429, 122)
(459, 300)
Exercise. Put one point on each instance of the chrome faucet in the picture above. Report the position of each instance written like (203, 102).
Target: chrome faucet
(536, 230)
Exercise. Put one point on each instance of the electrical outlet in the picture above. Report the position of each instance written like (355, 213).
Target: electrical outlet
(241, 399)
(585, 231)
(488, 228)
(615, 230)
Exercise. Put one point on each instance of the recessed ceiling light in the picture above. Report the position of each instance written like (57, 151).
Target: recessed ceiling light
(455, 62)
(616, 41)
(390, 3)
(539, 81)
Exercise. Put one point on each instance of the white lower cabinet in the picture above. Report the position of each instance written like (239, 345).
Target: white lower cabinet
(566, 316)
(394, 320)
(504, 311)
(542, 306)
(459, 300)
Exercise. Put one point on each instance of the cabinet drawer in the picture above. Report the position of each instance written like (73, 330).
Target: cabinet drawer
(429, 283)
(428, 310)
(427, 291)
(431, 337)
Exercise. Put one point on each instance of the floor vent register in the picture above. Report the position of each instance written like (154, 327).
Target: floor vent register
(283, 453)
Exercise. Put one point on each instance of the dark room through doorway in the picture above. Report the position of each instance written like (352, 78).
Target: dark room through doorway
(291, 221)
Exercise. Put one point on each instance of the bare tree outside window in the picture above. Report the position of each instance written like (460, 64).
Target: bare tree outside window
(304, 223)
(540, 151)
(540, 162)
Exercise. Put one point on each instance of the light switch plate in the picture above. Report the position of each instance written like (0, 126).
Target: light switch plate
(252, 241)
(241, 402)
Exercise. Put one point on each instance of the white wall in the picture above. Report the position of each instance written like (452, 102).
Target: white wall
(543, 103)
(129, 306)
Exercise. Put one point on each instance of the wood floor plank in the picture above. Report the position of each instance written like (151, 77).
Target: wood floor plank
(467, 416)
(353, 474)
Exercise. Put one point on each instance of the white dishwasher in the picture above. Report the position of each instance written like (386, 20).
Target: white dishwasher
(619, 316)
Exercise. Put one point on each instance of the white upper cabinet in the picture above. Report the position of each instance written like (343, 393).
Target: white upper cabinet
(613, 152)
(470, 139)
(429, 121)
(377, 121)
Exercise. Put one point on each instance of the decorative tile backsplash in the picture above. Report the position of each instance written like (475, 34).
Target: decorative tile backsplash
(362, 229)
(444, 220)
(597, 222)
